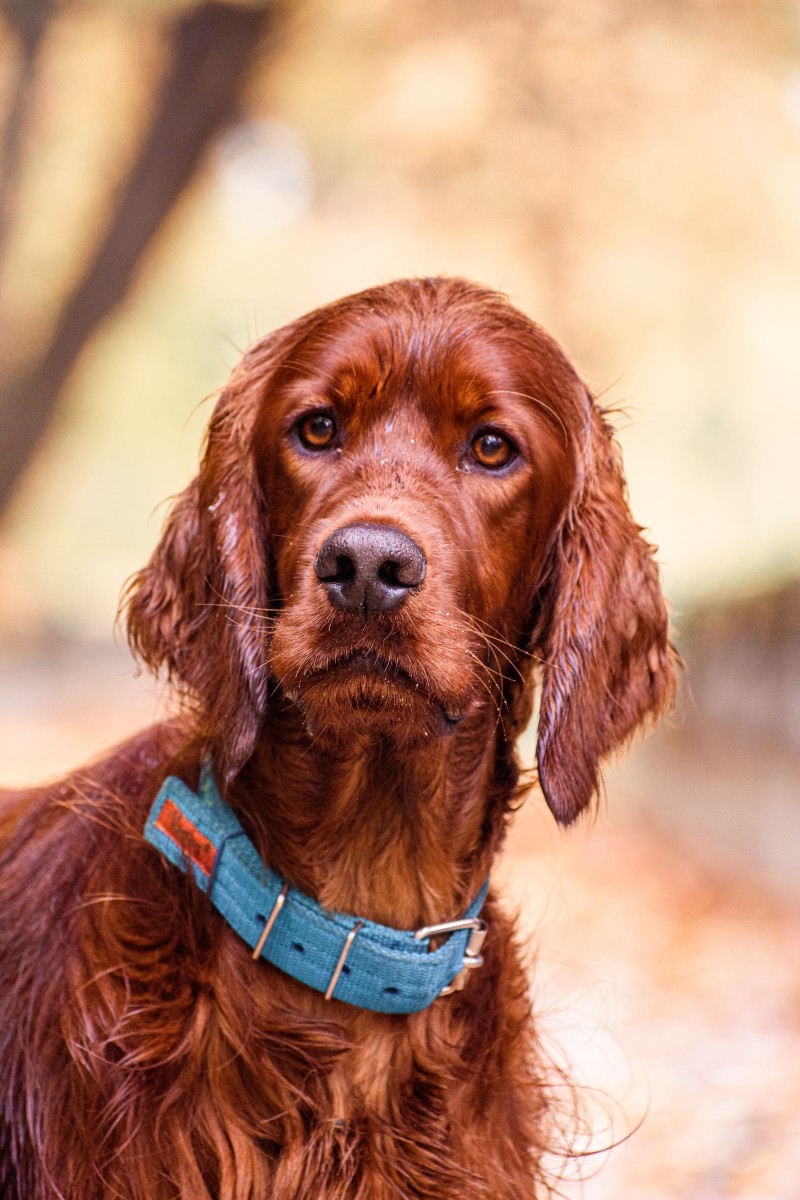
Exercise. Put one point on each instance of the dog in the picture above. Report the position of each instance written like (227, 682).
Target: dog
(409, 520)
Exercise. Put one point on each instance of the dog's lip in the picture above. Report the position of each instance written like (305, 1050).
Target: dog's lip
(368, 662)
(364, 661)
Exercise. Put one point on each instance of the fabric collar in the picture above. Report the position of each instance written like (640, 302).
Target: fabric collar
(365, 964)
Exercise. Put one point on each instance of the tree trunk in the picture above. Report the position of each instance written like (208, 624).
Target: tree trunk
(28, 20)
(212, 49)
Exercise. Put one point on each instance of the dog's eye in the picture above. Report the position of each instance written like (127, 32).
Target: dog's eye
(317, 431)
(492, 450)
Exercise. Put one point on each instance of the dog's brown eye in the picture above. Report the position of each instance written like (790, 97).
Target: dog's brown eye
(492, 450)
(317, 431)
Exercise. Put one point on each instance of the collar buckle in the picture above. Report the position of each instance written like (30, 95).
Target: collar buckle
(472, 952)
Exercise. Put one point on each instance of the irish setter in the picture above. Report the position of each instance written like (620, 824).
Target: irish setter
(410, 512)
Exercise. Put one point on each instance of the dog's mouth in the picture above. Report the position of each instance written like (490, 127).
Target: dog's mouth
(370, 679)
(363, 661)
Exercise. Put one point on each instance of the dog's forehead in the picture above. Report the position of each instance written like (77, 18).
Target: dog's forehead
(444, 363)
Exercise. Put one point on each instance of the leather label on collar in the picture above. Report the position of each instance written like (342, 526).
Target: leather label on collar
(179, 829)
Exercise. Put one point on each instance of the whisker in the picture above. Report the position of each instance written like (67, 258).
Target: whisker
(492, 696)
(491, 673)
(535, 400)
(500, 639)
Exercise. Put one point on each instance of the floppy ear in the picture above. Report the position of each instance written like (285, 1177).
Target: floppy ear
(199, 607)
(602, 633)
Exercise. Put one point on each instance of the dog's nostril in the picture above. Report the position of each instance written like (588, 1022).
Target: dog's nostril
(401, 574)
(345, 568)
(341, 570)
(389, 573)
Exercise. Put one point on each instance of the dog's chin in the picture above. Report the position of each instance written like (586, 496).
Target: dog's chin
(363, 695)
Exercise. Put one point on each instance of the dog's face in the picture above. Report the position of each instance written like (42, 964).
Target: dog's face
(407, 498)
(416, 465)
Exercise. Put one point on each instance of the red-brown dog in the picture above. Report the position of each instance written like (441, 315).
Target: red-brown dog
(408, 511)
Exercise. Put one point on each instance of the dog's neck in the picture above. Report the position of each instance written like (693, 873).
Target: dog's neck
(402, 835)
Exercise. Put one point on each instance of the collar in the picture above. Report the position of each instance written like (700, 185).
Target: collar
(365, 964)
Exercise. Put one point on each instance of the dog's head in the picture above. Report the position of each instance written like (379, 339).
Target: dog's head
(408, 498)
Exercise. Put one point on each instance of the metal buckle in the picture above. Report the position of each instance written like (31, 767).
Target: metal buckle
(472, 951)
(270, 921)
(337, 970)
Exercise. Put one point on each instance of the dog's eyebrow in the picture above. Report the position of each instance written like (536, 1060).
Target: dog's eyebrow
(546, 408)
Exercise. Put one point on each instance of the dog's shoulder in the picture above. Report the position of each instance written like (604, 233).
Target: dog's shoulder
(82, 835)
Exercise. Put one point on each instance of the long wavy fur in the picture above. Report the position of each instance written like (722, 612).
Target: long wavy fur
(142, 1052)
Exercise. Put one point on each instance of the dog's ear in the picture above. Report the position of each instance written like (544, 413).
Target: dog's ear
(602, 632)
(199, 609)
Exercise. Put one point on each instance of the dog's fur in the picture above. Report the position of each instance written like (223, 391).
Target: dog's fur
(142, 1052)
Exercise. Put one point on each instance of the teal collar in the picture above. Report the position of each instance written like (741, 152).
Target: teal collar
(365, 964)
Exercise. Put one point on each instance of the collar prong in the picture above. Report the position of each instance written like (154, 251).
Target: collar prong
(348, 941)
(270, 921)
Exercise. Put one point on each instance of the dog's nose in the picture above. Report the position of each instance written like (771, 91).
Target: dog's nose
(369, 568)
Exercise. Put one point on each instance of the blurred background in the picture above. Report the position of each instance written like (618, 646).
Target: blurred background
(178, 178)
